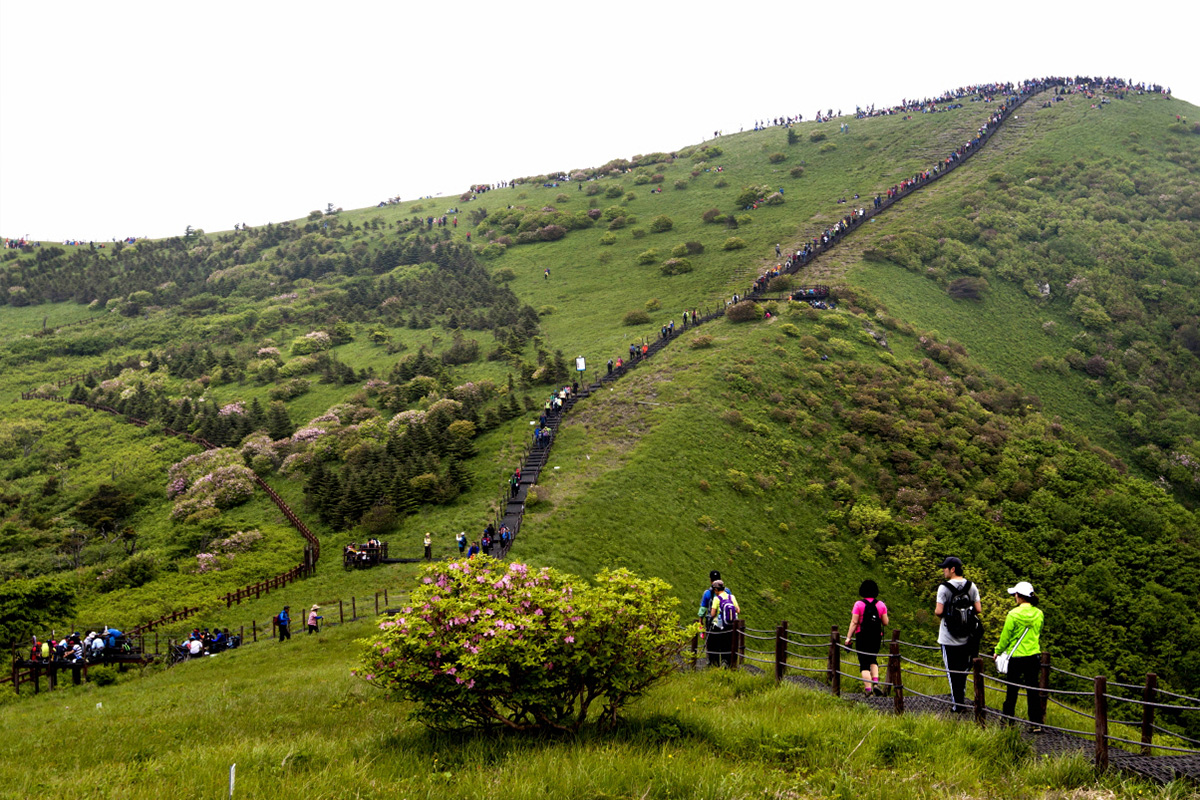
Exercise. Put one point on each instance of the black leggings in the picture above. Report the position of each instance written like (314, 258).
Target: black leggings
(1023, 671)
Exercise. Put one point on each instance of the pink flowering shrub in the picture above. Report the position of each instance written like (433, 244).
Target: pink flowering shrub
(207, 562)
(489, 644)
(238, 408)
(312, 342)
(184, 473)
(209, 481)
(240, 542)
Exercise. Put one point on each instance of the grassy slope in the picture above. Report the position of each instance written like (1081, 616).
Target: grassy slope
(297, 724)
(1004, 331)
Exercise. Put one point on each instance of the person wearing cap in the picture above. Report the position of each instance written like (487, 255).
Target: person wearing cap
(313, 617)
(957, 652)
(1021, 638)
(705, 614)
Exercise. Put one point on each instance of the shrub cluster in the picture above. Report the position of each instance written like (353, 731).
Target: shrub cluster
(487, 644)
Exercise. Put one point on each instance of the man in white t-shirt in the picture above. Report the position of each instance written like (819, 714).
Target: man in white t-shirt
(957, 650)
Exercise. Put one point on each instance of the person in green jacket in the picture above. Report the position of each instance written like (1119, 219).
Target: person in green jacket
(1022, 637)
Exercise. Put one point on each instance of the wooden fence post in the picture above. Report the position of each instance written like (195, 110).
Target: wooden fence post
(980, 689)
(1148, 712)
(695, 648)
(385, 599)
(1043, 686)
(254, 630)
(341, 613)
(895, 676)
(735, 644)
(835, 663)
(353, 609)
(781, 650)
(377, 604)
(1101, 690)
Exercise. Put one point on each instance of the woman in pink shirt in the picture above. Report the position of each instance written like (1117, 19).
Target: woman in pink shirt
(867, 621)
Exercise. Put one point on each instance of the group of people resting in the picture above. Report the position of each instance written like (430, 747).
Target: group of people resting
(76, 649)
(206, 643)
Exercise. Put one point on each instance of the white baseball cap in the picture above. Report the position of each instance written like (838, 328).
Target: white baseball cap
(1024, 588)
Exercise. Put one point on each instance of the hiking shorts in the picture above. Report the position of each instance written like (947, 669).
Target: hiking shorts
(868, 652)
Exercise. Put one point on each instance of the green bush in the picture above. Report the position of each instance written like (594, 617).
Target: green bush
(641, 180)
(614, 191)
(103, 676)
(817, 136)
(796, 172)
(636, 317)
(828, 147)
(552, 645)
(679, 250)
(675, 266)
(713, 215)
(648, 256)
(616, 224)
(608, 238)
(734, 243)
(776, 158)
(504, 275)
(745, 311)
(774, 199)
(744, 219)
(653, 304)
(681, 184)
(661, 224)
(638, 233)
(694, 248)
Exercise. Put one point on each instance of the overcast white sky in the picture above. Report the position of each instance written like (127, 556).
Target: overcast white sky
(139, 119)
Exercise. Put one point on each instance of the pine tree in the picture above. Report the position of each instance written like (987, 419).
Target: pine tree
(279, 425)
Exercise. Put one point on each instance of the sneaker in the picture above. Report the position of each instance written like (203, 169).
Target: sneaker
(877, 692)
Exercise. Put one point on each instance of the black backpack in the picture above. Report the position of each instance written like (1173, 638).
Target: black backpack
(959, 611)
(871, 624)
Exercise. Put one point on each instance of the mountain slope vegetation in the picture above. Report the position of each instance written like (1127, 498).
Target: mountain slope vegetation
(381, 371)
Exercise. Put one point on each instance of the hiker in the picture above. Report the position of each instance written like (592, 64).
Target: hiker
(958, 608)
(724, 615)
(314, 618)
(462, 542)
(1021, 640)
(705, 614)
(867, 620)
(473, 550)
(428, 547)
(284, 621)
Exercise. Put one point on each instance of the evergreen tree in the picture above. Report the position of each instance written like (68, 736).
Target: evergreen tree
(279, 424)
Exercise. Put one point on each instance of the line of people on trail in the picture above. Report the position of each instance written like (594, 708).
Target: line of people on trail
(490, 540)
(1017, 652)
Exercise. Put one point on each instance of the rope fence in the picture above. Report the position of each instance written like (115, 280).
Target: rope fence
(975, 684)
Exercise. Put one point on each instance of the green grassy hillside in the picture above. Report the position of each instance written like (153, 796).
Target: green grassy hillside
(987, 427)
(296, 724)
